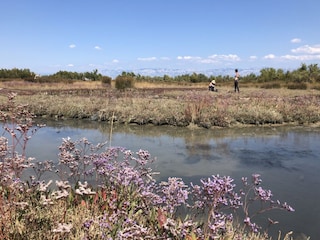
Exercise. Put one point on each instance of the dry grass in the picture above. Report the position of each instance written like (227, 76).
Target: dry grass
(169, 85)
(170, 104)
(31, 86)
(246, 89)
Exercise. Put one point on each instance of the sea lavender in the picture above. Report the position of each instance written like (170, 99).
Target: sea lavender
(213, 197)
(174, 193)
(254, 193)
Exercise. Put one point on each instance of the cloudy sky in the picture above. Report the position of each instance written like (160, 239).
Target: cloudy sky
(47, 36)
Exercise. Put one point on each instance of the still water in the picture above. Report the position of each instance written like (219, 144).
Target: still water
(287, 158)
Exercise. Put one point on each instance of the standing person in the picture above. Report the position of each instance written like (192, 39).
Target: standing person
(236, 81)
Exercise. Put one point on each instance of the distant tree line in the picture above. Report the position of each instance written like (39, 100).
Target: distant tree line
(307, 74)
(310, 73)
(16, 73)
(27, 75)
(92, 76)
(304, 74)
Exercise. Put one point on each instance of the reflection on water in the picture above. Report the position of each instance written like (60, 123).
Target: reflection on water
(286, 158)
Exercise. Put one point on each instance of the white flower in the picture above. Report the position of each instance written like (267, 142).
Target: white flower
(43, 187)
(63, 228)
(60, 194)
(63, 184)
(83, 189)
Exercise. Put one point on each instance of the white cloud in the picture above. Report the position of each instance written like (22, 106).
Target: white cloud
(211, 59)
(97, 48)
(70, 65)
(296, 40)
(188, 58)
(229, 57)
(253, 57)
(301, 57)
(115, 60)
(147, 59)
(72, 46)
(307, 49)
(291, 57)
(269, 56)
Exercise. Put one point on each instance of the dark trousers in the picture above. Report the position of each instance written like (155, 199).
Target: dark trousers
(236, 86)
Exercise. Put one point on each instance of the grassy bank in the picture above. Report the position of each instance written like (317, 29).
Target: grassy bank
(170, 104)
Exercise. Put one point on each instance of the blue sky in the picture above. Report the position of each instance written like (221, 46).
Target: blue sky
(47, 36)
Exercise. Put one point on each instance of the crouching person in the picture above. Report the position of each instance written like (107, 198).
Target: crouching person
(212, 86)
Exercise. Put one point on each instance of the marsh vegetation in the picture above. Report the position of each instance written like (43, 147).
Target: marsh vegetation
(168, 104)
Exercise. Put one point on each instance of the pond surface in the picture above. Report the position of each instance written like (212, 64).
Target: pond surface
(287, 158)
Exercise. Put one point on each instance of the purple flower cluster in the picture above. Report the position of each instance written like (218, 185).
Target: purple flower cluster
(174, 193)
(254, 193)
(213, 197)
(216, 192)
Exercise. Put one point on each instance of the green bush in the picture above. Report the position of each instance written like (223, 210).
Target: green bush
(124, 82)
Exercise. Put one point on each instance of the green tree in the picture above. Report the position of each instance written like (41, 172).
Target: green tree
(280, 75)
(303, 67)
(16, 73)
(250, 78)
(267, 75)
(167, 78)
(314, 73)
(94, 75)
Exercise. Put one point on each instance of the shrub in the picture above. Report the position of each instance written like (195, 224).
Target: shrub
(106, 80)
(298, 85)
(124, 82)
(48, 79)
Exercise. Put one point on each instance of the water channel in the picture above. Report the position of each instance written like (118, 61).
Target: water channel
(287, 158)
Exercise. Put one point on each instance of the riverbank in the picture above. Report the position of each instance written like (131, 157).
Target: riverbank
(185, 106)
